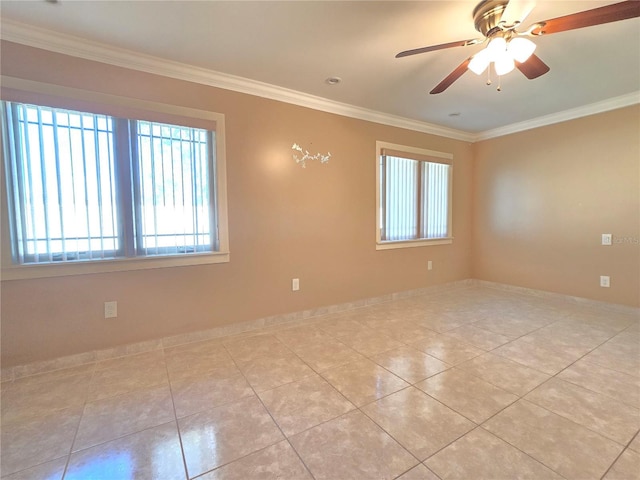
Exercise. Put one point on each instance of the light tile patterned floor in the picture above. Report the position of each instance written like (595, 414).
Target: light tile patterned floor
(474, 383)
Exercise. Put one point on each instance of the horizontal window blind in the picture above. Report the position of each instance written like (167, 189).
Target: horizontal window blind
(87, 187)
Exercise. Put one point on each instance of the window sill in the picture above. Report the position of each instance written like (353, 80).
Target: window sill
(413, 243)
(23, 272)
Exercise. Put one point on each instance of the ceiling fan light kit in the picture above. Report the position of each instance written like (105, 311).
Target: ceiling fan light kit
(502, 54)
(507, 49)
(521, 49)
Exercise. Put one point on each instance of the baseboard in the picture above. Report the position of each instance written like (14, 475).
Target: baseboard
(20, 371)
(587, 302)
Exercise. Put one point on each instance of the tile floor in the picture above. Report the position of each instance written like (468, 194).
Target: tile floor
(473, 383)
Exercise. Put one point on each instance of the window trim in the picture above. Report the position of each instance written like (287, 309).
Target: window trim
(420, 154)
(62, 95)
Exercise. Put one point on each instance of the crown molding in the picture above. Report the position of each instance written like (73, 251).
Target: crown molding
(44, 39)
(74, 46)
(584, 111)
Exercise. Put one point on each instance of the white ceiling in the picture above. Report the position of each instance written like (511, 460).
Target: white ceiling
(298, 44)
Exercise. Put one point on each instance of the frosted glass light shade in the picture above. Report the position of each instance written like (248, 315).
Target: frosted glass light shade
(521, 49)
(503, 64)
(480, 62)
(502, 54)
(497, 46)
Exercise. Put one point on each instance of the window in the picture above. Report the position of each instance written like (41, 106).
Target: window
(414, 196)
(85, 187)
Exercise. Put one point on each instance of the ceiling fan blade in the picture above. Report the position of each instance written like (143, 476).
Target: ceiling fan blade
(516, 11)
(442, 46)
(452, 77)
(588, 18)
(533, 67)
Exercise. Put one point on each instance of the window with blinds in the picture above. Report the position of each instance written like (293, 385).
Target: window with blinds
(172, 189)
(414, 195)
(83, 186)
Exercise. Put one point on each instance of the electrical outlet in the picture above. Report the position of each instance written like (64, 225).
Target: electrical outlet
(605, 281)
(110, 309)
(606, 239)
(295, 284)
(429, 265)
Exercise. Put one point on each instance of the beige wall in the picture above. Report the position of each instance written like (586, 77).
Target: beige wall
(316, 224)
(542, 198)
(539, 201)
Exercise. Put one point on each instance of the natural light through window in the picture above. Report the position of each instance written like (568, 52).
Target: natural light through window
(413, 197)
(173, 183)
(62, 184)
(89, 187)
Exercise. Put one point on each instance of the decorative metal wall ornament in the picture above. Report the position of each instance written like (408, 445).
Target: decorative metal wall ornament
(301, 160)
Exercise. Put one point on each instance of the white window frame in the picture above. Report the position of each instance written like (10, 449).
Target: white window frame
(422, 155)
(12, 271)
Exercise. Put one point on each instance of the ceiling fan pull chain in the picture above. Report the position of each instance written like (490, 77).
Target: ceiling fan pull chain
(499, 83)
(489, 76)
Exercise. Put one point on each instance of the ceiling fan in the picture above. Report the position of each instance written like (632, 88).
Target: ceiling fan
(509, 48)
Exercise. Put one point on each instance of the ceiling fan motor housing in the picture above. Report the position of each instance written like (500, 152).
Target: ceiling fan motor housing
(487, 16)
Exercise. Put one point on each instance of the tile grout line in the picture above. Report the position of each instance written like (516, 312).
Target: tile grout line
(517, 395)
(397, 441)
(480, 425)
(476, 425)
(175, 415)
(356, 408)
(286, 438)
(71, 452)
(562, 416)
(413, 384)
(127, 434)
(86, 401)
(554, 349)
(554, 413)
(359, 408)
(217, 406)
(626, 447)
(75, 435)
